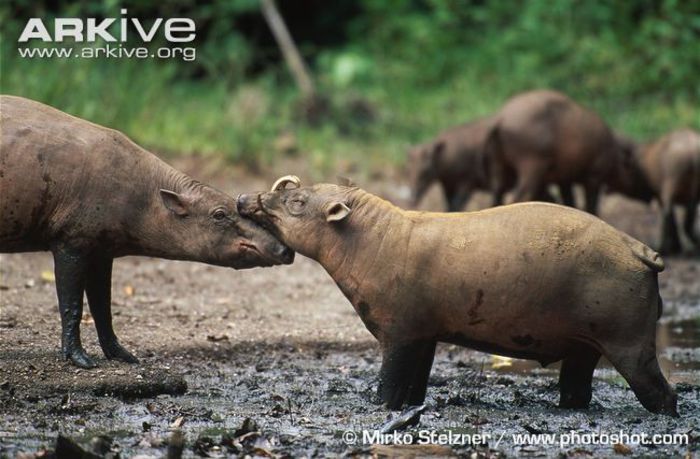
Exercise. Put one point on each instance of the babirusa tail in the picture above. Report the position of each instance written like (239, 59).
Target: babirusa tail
(645, 254)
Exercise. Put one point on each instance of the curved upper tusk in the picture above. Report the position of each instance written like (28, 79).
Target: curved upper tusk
(282, 182)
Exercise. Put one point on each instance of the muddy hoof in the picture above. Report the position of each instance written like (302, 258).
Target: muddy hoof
(669, 407)
(115, 351)
(668, 411)
(80, 359)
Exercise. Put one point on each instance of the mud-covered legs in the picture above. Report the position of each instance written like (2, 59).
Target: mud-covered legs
(500, 180)
(642, 372)
(567, 195)
(456, 197)
(670, 238)
(576, 376)
(531, 184)
(403, 378)
(592, 194)
(691, 212)
(98, 289)
(79, 272)
(70, 269)
(419, 381)
(498, 194)
(670, 242)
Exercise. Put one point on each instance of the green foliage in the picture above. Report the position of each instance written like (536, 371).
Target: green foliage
(395, 72)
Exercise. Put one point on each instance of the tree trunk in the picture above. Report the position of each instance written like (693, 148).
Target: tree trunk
(289, 50)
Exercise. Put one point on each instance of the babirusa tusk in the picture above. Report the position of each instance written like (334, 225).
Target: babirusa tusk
(282, 182)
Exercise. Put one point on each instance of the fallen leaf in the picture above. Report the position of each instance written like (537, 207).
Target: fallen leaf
(178, 422)
(409, 417)
(129, 290)
(262, 452)
(87, 318)
(48, 276)
(500, 362)
(621, 448)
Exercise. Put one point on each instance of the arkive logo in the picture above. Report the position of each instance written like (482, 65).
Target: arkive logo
(175, 30)
(108, 38)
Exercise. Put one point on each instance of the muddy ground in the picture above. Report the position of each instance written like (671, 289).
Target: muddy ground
(274, 362)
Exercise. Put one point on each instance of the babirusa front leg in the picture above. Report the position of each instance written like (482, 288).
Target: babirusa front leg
(403, 375)
(423, 365)
(70, 267)
(99, 294)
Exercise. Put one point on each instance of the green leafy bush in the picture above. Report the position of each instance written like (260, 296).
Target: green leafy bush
(393, 72)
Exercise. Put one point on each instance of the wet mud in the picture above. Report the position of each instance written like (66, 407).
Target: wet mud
(274, 362)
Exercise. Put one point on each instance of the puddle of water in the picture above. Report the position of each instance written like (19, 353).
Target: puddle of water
(684, 334)
(678, 347)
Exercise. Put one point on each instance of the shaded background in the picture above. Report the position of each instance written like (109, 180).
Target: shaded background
(393, 72)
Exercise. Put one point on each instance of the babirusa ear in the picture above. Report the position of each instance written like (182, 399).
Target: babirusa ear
(174, 202)
(337, 211)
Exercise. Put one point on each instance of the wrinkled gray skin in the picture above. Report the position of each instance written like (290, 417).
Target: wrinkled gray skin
(543, 138)
(668, 170)
(534, 280)
(88, 194)
(455, 159)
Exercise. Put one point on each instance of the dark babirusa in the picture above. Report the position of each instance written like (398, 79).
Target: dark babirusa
(88, 194)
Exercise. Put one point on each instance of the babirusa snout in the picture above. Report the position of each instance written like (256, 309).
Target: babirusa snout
(247, 204)
(282, 182)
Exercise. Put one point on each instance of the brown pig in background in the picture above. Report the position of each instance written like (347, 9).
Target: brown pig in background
(538, 138)
(455, 159)
(89, 194)
(668, 170)
(543, 137)
(535, 281)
